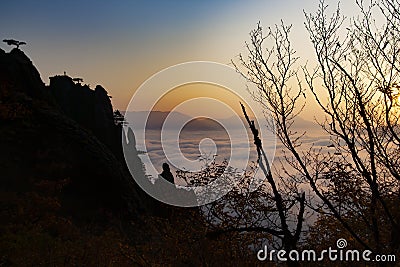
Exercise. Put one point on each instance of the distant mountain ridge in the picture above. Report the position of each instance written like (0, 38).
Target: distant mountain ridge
(156, 119)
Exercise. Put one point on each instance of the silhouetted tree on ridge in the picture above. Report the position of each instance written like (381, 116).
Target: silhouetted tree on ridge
(14, 42)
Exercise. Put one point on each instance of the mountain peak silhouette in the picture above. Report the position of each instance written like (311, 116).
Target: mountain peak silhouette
(18, 71)
(63, 124)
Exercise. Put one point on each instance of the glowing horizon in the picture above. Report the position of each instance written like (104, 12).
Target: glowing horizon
(120, 45)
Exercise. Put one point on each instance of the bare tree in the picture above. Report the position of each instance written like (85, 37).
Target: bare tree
(119, 119)
(359, 71)
(353, 187)
(77, 80)
(272, 209)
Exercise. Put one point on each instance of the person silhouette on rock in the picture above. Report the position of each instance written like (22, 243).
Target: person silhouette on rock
(172, 194)
(166, 173)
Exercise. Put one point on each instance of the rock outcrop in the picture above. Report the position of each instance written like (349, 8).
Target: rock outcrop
(18, 73)
(67, 198)
(92, 109)
(62, 133)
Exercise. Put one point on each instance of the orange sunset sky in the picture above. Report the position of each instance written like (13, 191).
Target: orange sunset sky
(120, 45)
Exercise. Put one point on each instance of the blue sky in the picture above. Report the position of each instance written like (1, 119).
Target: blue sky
(119, 44)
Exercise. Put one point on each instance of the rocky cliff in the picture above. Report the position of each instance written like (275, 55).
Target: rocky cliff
(92, 109)
(62, 134)
(18, 73)
(66, 198)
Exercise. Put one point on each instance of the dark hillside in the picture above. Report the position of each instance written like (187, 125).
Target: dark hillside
(66, 195)
(36, 136)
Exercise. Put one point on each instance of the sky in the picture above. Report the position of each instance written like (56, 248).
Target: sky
(120, 44)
